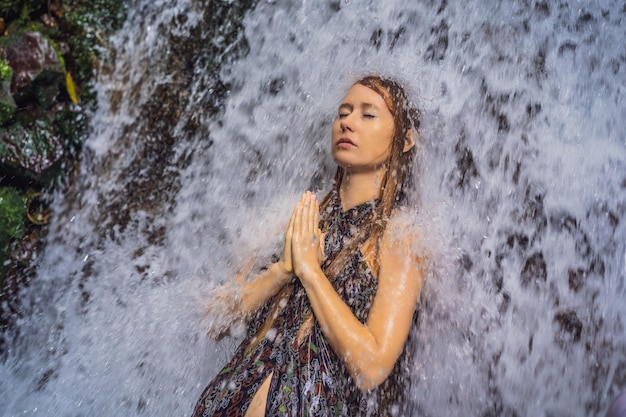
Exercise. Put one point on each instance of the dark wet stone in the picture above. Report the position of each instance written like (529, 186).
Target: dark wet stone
(516, 173)
(570, 327)
(566, 46)
(495, 106)
(7, 104)
(466, 262)
(497, 279)
(542, 8)
(533, 207)
(584, 20)
(32, 56)
(442, 6)
(533, 109)
(539, 65)
(376, 38)
(274, 86)
(436, 50)
(466, 169)
(503, 307)
(493, 155)
(519, 239)
(31, 149)
(534, 270)
(334, 5)
(397, 37)
(576, 279)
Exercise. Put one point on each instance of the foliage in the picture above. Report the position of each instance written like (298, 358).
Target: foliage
(77, 30)
(12, 215)
(71, 125)
(87, 24)
(20, 9)
(6, 72)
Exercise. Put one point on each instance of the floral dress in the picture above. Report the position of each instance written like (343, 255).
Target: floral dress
(307, 377)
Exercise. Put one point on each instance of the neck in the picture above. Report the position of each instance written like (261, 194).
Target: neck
(358, 187)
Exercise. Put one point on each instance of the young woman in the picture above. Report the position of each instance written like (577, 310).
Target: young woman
(329, 320)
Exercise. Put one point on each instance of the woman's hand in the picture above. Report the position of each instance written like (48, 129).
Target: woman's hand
(307, 240)
(286, 263)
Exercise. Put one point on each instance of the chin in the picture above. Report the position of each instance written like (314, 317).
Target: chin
(341, 162)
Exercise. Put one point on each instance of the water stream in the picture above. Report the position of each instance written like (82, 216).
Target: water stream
(207, 127)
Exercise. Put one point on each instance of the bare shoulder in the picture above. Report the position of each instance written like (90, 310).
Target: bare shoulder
(401, 252)
(400, 279)
(401, 234)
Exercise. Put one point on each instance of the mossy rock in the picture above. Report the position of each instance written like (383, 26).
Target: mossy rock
(31, 148)
(7, 104)
(38, 67)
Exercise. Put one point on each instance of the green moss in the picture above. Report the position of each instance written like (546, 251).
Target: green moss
(7, 104)
(6, 72)
(88, 25)
(12, 223)
(72, 126)
(12, 215)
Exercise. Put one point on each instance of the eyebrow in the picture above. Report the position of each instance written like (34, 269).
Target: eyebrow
(364, 106)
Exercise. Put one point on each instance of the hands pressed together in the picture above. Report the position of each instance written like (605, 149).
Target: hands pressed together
(303, 252)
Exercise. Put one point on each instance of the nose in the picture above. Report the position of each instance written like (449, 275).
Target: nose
(344, 124)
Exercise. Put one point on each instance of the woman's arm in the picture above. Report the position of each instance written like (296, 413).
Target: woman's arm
(369, 350)
(254, 294)
(233, 305)
(241, 302)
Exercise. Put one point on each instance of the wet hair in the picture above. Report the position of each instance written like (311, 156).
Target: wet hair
(398, 169)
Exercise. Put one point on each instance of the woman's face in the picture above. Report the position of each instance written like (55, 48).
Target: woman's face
(363, 131)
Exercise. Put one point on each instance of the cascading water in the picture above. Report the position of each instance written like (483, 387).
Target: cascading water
(208, 126)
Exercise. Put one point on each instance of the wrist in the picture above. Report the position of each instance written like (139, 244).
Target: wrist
(281, 273)
(310, 276)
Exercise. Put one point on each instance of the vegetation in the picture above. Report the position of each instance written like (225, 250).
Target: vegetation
(48, 49)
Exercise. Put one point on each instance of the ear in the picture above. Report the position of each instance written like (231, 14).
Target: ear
(409, 141)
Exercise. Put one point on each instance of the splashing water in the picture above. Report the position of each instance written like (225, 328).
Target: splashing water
(209, 125)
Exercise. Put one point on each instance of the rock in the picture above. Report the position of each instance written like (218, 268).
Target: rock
(7, 104)
(38, 67)
(31, 148)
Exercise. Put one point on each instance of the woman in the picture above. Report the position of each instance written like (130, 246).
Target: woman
(330, 319)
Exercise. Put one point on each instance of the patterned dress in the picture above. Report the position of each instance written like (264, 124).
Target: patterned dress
(308, 378)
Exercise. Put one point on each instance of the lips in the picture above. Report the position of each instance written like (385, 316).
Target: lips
(344, 142)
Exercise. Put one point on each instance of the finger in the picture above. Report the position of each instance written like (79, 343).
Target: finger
(316, 216)
(297, 225)
(289, 232)
(310, 215)
(294, 213)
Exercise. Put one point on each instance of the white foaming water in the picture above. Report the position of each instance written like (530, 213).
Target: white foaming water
(522, 186)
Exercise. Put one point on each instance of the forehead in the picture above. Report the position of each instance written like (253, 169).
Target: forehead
(359, 94)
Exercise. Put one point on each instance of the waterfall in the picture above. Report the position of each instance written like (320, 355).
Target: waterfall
(207, 127)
